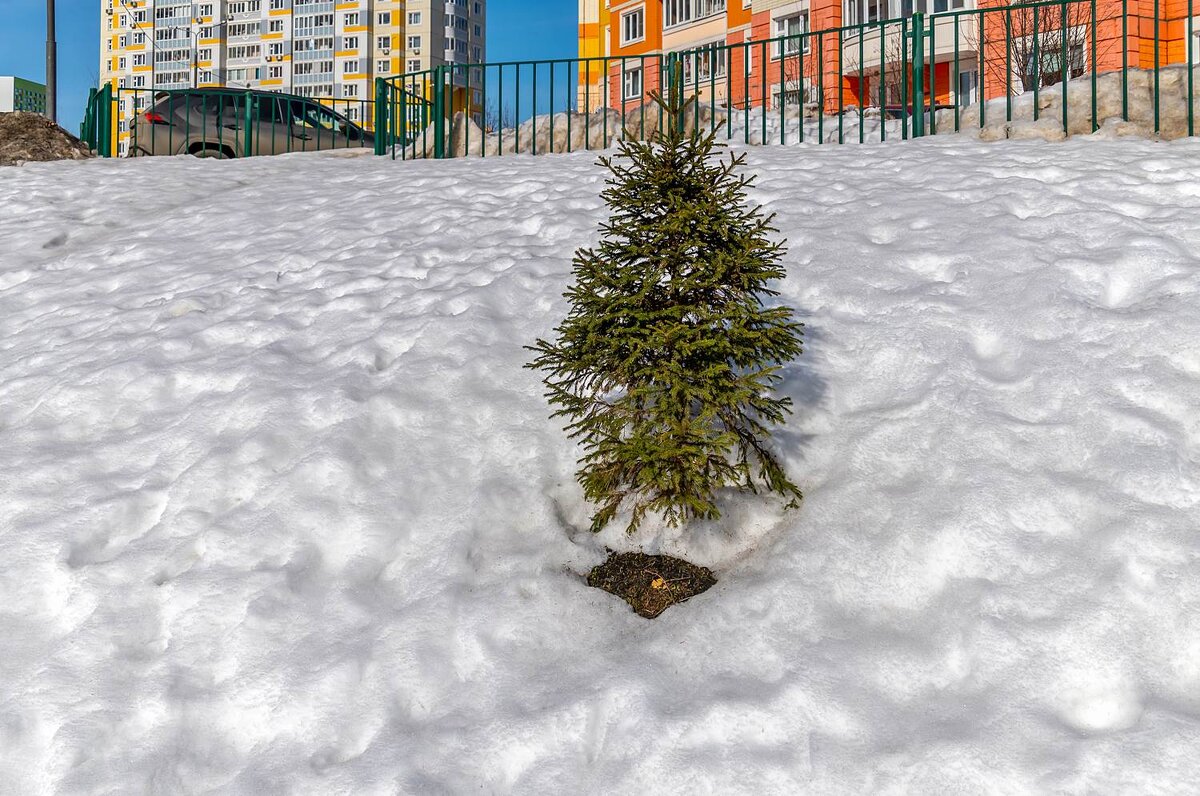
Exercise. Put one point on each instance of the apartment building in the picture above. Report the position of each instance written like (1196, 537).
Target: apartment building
(856, 67)
(325, 49)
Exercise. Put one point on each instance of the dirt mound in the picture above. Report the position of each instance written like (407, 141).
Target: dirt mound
(650, 584)
(28, 136)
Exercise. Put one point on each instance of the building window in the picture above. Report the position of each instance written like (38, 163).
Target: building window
(968, 82)
(414, 42)
(633, 26)
(350, 67)
(678, 12)
(633, 83)
(704, 64)
(350, 43)
(793, 27)
(382, 67)
(350, 90)
(385, 17)
(1047, 69)
(414, 17)
(414, 64)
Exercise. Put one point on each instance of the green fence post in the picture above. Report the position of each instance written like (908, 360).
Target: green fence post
(1157, 95)
(381, 116)
(246, 134)
(87, 131)
(104, 122)
(918, 68)
(439, 112)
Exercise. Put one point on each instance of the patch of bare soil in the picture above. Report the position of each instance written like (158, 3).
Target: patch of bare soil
(650, 584)
(28, 137)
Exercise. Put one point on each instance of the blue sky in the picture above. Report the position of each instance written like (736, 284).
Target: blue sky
(516, 31)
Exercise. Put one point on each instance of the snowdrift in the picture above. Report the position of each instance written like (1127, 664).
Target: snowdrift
(284, 513)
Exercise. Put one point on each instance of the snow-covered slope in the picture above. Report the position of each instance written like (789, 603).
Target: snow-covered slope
(280, 511)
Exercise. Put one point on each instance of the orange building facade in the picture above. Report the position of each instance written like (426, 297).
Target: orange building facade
(732, 54)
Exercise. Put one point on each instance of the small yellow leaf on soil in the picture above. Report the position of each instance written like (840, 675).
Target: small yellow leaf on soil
(657, 583)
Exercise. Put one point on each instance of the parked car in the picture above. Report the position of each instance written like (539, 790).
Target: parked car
(214, 123)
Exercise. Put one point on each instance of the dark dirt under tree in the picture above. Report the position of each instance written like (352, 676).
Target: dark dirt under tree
(650, 584)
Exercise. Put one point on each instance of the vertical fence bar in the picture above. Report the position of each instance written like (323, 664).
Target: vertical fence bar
(247, 134)
(918, 70)
(783, 90)
(1037, 62)
(220, 122)
(439, 112)
(746, 97)
(729, 88)
(607, 97)
(1095, 68)
(712, 82)
(1066, 64)
(1156, 73)
(820, 89)
(641, 108)
(904, 51)
(882, 82)
(805, 44)
(933, 75)
(624, 96)
(841, 92)
(980, 79)
(763, 92)
(533, 136)
(380, 116)
(1125, 60)
(862, 92)
(1008, 45)
(133, 136)
(1191, 68)
(958, 77)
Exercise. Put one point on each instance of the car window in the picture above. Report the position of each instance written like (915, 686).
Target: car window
(219, 104)
(316, 117)
(271, 109)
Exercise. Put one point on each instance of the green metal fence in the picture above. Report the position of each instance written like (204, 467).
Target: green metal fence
(1060, 65)
(226, 123)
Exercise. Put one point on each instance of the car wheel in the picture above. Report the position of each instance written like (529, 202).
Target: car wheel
(209, 152)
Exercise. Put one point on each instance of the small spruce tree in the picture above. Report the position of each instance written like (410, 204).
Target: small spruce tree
(666, 362)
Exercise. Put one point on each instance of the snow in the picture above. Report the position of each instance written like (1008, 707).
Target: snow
(283, 513)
